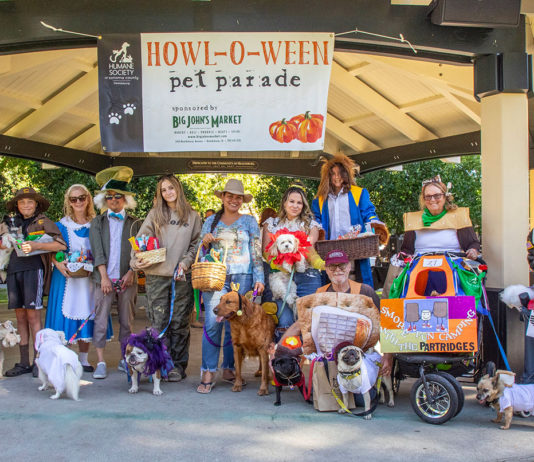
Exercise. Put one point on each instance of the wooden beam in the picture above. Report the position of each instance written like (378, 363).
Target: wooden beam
(347, 135)
(57, 105)
(375, 102)
(85, 140)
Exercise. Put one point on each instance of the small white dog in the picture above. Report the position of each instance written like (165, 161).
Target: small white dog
(278, 281)
(510, 295)
(58, 365)
(5, 255)
(9, 337)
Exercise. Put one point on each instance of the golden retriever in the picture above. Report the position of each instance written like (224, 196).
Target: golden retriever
(252, 332)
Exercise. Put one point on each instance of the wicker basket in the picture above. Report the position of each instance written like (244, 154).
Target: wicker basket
(152, 256)
(356, 249)
(208, 276)
(81, 273)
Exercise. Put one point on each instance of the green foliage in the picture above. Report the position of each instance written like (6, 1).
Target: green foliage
(395, 193)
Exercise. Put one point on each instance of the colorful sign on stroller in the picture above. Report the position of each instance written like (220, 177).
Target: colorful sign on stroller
(429, 325)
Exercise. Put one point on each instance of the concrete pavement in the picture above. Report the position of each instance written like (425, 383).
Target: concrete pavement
(110, 424)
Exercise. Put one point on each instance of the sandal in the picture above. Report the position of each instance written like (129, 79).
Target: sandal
(18, 369)
(208, 386)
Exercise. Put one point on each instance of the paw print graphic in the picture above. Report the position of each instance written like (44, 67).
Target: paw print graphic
(129, 108)
(114, 118)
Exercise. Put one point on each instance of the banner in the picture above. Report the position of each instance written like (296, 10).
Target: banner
(165, 92)
(429, 325)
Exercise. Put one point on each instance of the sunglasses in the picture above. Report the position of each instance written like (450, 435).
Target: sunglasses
(340, 266)
(114, 196)
(75, 199)
(436, 197)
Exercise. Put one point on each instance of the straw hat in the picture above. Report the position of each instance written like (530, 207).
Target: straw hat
(235, 187)
(29, 193)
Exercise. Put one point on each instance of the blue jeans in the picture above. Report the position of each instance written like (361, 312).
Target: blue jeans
(210, 353)
(307, 283)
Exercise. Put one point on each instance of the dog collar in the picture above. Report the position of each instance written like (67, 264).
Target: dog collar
(492, 401)
(350, 375)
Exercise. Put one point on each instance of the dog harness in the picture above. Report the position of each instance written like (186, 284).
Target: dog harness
(368, 372)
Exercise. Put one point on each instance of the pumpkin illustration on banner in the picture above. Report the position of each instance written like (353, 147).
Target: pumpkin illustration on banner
(283, 131)
(307, 128)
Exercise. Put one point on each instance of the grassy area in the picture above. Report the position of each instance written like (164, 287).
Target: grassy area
(3, 295)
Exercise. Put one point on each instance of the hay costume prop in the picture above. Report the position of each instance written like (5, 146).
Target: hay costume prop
(349, 206)
(109, 236)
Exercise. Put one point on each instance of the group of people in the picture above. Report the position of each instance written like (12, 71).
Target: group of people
(80, 307)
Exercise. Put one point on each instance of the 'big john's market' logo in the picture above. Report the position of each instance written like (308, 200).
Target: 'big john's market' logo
(121, 63)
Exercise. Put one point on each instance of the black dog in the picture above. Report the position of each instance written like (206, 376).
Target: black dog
(287, 373)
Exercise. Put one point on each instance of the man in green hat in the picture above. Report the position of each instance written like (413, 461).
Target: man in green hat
(109, 236)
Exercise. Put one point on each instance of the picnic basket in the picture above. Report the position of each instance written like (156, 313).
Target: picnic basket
(79, 270)
(356, 248)
(152, 256)
(208, 276)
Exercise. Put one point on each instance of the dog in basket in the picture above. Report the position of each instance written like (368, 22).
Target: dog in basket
(498, 390)
(146, 354)
(9, 338)
(58, 365)
(358, 373)
(287, 250)
(252, 332)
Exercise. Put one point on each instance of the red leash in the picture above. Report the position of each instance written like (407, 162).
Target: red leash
(307, 391)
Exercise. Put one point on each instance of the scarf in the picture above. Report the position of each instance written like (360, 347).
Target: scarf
(428, 218)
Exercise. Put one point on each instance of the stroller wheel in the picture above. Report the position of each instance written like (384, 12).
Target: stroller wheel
(438, 404)
(457, 387)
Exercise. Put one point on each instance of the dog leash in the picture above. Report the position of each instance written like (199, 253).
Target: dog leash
(374, 403)
(173, 293)
(287, 292)
(81, 326)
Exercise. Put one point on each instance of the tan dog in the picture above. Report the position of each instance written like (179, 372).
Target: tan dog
(505, 397)
(252, 332)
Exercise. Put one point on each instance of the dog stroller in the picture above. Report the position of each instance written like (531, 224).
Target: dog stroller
(430, 322)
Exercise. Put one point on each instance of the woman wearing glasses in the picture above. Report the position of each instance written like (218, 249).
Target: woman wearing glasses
(71, 300)
(440, 225)
(177, 227)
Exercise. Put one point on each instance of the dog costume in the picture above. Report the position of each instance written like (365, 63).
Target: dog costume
(158, 356)
(53, 357)
(520, 397)
(369, 372)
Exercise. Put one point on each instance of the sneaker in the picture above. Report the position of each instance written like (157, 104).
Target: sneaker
(122, 366)
(176, 375)
(100, 371)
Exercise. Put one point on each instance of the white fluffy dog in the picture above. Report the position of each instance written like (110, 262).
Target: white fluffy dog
(4, 255)
(58, 365)
(9, 337)
(510, 295)
(278, 281)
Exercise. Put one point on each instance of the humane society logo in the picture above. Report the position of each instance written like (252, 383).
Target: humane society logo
(121, 69)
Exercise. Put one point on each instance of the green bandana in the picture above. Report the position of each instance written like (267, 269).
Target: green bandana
(428, 218)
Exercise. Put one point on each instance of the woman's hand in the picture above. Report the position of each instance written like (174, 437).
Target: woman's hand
(62, 267)
(142, 264)
(179, 274)
(259, 287)
(208, 239)
(472, 254)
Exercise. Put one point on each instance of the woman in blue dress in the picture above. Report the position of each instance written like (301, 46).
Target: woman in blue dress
(71, 300)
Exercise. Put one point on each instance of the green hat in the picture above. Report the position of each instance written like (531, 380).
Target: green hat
(115, 179)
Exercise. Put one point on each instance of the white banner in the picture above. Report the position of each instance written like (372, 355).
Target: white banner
(226, 91)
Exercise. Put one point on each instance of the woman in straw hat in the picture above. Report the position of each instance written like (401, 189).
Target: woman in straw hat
(177, 227)
(71, 300)
(240, 235)
(28, 277)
